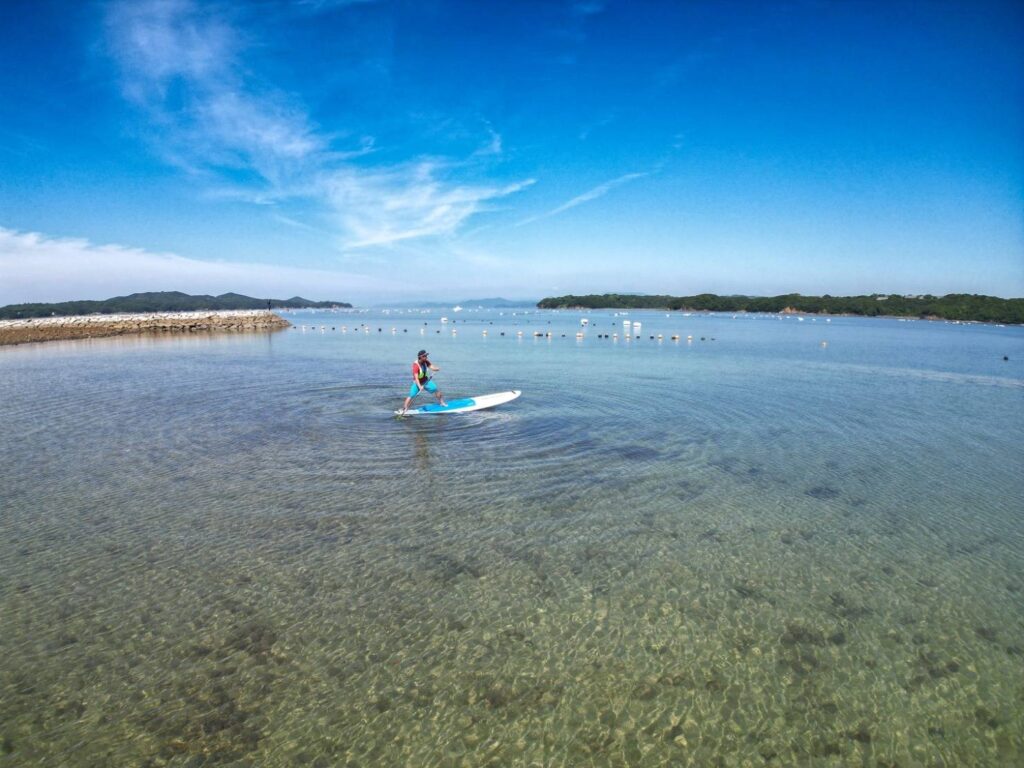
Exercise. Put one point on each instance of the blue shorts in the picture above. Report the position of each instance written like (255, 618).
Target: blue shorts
(430, 386)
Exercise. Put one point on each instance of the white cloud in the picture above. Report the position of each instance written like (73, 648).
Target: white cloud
(493, 145)
(161, 40)
(592, 194)
(183, 64)
(322, 6)
(603, 122)
(37, 268)
(587, 7)
(384, 207)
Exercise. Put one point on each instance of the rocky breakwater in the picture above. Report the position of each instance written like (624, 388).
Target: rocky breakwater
(94, 326)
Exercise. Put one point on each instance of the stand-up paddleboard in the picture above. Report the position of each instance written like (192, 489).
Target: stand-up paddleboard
(465, 404)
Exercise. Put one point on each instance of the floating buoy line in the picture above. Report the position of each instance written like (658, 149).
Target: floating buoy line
(579, 335)
(632, 330)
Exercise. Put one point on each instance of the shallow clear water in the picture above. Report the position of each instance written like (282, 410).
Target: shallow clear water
(751, 548)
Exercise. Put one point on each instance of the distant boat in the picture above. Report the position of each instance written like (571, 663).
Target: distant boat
(456, 308)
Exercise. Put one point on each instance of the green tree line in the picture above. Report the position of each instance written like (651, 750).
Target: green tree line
(954, 306)
(163, 301)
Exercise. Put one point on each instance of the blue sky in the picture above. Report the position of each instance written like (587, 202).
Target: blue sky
(378, 151)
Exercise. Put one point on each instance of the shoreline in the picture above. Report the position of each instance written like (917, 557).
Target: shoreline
(42, 329)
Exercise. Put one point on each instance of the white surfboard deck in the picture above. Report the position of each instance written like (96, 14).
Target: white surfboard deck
(464, 405)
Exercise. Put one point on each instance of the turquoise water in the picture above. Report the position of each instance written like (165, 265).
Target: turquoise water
(783, 542)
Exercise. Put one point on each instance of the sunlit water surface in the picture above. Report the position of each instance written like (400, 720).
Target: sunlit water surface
(783, 542)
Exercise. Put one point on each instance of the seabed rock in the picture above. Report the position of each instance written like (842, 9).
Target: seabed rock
(96, 326)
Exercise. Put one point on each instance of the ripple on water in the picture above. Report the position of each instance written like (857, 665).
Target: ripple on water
(247, 560)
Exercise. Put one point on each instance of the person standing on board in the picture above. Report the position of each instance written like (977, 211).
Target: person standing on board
(421, 373)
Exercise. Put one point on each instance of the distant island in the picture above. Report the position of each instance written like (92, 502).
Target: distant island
(163, 301)
(495, 303)
(954, 306)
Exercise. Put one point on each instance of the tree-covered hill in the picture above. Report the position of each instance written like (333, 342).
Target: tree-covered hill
(163, 301)
(954, 306)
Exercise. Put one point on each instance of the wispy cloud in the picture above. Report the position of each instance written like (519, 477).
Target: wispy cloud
(587, 7)
(493, 146)
(184, 64)
(321, 6)
(37, 267)
(603, 122)
(387, 206)
(592, 194)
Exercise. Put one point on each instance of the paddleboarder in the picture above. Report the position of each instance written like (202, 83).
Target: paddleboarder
(422, 370)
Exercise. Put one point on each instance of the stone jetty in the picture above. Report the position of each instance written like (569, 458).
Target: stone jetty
(94, 326)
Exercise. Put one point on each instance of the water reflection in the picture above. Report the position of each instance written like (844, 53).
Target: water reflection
(421, 449)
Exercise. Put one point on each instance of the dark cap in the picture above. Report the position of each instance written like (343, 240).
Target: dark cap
(421, 353)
